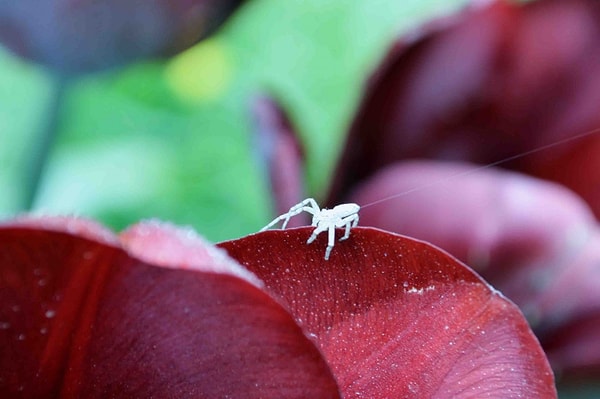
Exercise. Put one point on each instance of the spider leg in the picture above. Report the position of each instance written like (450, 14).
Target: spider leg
(350, 221)
(312, 208)
(315, 233)
(276, 220)
(294, 210)
(347, 233)
(330, 241)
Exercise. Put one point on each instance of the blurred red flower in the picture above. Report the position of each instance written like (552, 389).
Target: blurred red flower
(159, 312)
(494, 82)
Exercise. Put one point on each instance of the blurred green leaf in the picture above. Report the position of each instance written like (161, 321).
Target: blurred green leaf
(25, 93)
(174, 140)
(315, 55)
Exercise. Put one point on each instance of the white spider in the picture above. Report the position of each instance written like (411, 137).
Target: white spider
(344, 215)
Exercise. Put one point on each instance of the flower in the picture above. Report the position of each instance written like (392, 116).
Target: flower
(157, 311)
(511, 85)
(486, 85)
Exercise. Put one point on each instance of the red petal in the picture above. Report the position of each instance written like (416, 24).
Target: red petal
(283, 157)
(534, 240)
(503, 80)
(397, 317)
(79, 317)
(568, 312)
(576, 348)
(490, 219)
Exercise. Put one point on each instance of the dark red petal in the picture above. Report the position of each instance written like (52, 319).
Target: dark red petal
(397, 317)
(534, 240)
(281, 155)
(82, 318)
(490, 219)
(422, 87)
(568, 312)
(66, 224)
(87, 35)
(575, 349)
(502, 80)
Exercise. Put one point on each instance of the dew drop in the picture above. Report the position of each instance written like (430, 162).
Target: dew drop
(4, 325)
(50, 313)
(413, 387)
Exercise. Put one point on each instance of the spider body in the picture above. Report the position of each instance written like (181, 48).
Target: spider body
(344, 215)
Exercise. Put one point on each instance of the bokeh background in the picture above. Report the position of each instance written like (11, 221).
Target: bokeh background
(166, 130)
(174, 138)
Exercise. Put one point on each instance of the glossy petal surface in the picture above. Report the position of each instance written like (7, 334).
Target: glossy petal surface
(396, 317)
(494, 82)
(534, 240)
(504, 84)
(83, 318)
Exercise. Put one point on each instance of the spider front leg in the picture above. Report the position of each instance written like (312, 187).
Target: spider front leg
(309, 205)
(312, 208)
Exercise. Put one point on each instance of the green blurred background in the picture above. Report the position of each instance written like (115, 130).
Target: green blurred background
(174, 139)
